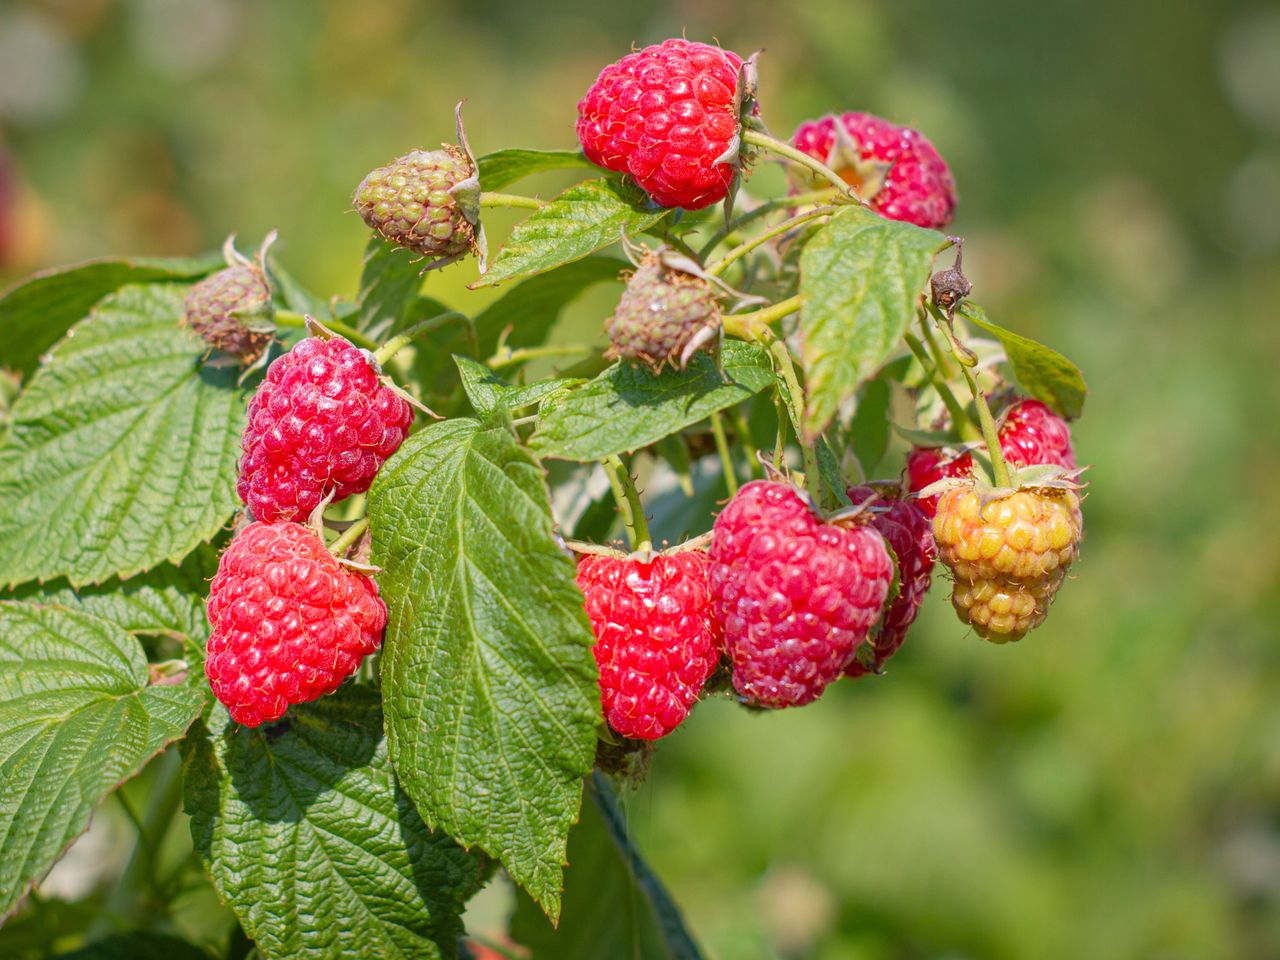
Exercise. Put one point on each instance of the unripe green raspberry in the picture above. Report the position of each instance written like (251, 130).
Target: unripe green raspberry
(412, 202)
(231, 309)
(665, 315)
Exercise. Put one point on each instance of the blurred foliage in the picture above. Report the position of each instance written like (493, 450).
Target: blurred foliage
(1108, 788)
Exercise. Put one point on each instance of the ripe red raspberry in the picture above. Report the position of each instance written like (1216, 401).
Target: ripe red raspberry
(926, 465)
(290, 623)
(906, 528)
(666, 114)
(917, 188)
(320, 423)
(796, 595)
(1031, 434)
(656, 641)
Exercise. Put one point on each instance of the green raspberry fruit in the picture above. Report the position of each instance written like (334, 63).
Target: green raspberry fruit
(231, 309)
(412, 202)
(665, 315)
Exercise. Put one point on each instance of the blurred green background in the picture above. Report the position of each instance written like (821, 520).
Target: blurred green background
(1108, 788)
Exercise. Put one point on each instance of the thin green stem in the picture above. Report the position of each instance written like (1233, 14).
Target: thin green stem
(743, 430)
(490, 199)
(766, 142)
(682, 245)
(784, 417)
(349, 536)
(499, 361)
(782, 357)
(629, 505)
(726, 457)
(401, 340)
(755, 325)
(935, 349)
(782, 203)
(743, 249)
(287, 318)
(999, 469)
(959, 418)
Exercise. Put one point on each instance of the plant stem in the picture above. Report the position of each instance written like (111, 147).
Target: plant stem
(743, 249)
(349, 536)
(782, 356)
(782, 203)
(624, 491)
(726, 457)
(959, 417)
(680, 244)
(755, 325)
(498, 361)
(287, 318)
(743, 430)
(939, 355)
(397, 343)
(490, 199)
(999, 469)
(758, 139)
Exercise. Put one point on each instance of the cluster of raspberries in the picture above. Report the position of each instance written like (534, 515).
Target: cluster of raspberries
(290, 621)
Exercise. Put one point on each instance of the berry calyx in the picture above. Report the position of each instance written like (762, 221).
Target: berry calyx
(795, 594)
(656, 640)
(668, 115)
(231, 309)
(1008, 552)
(320, 424)
(895, 168)
(907, 530)
(664, 316)
(290, 622)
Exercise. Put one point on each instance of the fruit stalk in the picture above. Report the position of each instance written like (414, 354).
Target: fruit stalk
(795, 397)
(287, 318)
(999, 469)
(726, 458)
(766, 142)
(348, 537)
(743, 249)
(755, 325)
(491, 199)
(628, 498)
(958, 415)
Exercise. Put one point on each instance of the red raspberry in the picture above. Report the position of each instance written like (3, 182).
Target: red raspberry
(904, 525)
(926, 465)
(796, 595)
(320, 423)
(665, 115)
(290, 623)
(1032, 434)
(656, 641)
(918, 188)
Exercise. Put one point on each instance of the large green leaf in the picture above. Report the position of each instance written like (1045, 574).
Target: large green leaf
(502, 168)
(37, 311)
(122, 451)
(627, 407)
(487, 675)
(581, 220)
(860, 277)
(389, 284)
(614, 905)
(487, 391)
(310, 840)
(76, 718)
(1043, 372)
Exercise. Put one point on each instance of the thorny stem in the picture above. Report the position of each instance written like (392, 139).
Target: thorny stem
(349, 536)
(757, 139)
(755, 325)
(743, 249)
(771, 206)
(958, 416)
(999, 469)
(490, 199)
(782, 357)
(397, 343)
(624, 491)
(287, 318)
(726, 458)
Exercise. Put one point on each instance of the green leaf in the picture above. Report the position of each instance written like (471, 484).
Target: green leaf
(389, 284)
(502, 168)
(1043, 372)
(138, 945)
(532, 307)
(487, 391)
(122, 451)
(37, 311)
(76, 719)
(627, 407)
(614, 905)
(581, 220)
(312, 843)
(860, 277)
(488, 680)
(869, 431)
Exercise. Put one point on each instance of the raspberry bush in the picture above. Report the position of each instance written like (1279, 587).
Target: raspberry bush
(387, 573)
